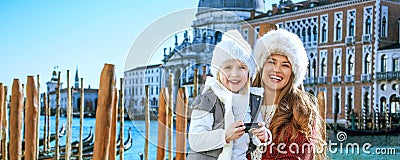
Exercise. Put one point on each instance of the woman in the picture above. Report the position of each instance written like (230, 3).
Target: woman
(289, 112)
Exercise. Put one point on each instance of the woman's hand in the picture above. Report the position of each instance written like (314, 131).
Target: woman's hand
(261, 133)
(234, 131)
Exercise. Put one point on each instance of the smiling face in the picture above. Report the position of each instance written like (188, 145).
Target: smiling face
(276, 72)
(233, 75)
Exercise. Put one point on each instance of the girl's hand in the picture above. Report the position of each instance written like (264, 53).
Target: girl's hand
(261, 133)
(234, 131)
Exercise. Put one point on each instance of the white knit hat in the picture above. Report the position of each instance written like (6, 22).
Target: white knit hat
(232, 47)
(284, 43)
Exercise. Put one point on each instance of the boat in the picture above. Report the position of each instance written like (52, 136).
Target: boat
(348, 131)
(75, 145)
(87, 150)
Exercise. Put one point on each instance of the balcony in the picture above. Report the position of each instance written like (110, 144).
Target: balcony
(336, 79)
(349, 78)
(366, 77)
(322, 80)
(309, 80)
(350, 40)
(380, 76)
(366, 38)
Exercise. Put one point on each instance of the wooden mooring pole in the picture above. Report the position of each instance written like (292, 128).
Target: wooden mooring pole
(81, 112)
(69, 119)
(113, 136)
(162, 123)
(195, 83)
(4, 122)
(147, 122)
(2, 99)
(121, 121)
(322, 112)
(181, 123)
(48, 119)
(38, 115)
(45, 123)
(103, 113)
(31, 118)
(169, 117)
(16, 107)
(57, 145)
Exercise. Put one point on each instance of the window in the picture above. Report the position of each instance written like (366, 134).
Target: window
(383, 29)
(309, 34)
(338, 26)
(367, 62)
(351, 20)
(395, 65)
(384, 21)
(246, 34)
(367, 29)
(324, 33)
(383, 63)
(257, 30)
(323, 67)
(383, 87)
(315, 34)
(351, 66)
(337, 66)
(351, 28)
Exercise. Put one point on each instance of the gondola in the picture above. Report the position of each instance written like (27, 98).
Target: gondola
(87, 150)
(348, 131)
(75, 145)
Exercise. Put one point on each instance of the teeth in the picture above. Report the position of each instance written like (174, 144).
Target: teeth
(234, 81)
(275, 77)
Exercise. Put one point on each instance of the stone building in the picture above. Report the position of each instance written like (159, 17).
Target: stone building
(345, 42)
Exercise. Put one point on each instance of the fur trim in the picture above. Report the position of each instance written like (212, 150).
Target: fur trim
(285, 43)
(232, 47)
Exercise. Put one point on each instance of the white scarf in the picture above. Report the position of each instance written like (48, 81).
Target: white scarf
(225, 96)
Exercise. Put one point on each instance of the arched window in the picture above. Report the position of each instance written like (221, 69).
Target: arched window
(351, 65)
(383, 63)
(218, 36)
(309, 33)
(367, 63)
(338, 31)
(309, 69)
(323, 67)
(394, 102)
(324, 32)
(395, 65)
(303, 35)
(351, 28)
(337, 66)
(383, 28)
(314, 66)
(204, 38)
(368, 25)
(315, 34)
(382, 104)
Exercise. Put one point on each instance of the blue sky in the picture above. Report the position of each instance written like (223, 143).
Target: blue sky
(36, 36)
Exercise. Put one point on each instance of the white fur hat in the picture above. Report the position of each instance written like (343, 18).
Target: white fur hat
(285, 43)
(232, 47)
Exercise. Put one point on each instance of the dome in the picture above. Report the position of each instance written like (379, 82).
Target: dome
(257, 5)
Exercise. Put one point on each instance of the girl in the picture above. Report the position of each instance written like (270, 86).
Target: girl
(216, 130)
(288, 111)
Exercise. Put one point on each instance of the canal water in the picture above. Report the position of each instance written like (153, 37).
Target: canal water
(369, 147)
